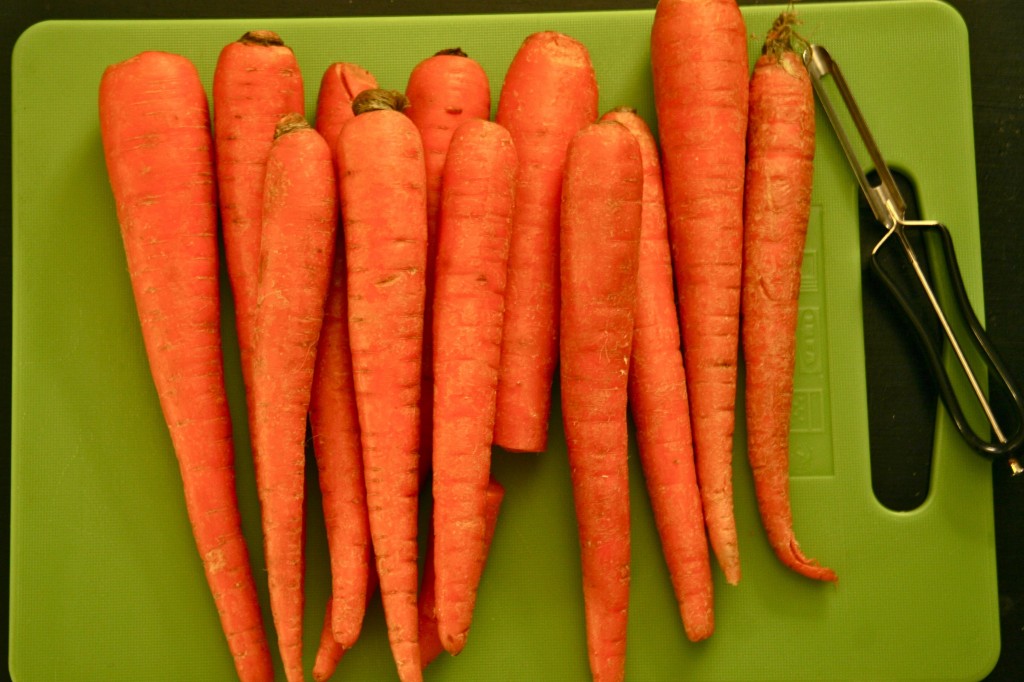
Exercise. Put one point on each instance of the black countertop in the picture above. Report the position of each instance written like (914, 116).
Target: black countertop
(997, 69)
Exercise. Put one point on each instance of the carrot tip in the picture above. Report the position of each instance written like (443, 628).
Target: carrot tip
(376, 99)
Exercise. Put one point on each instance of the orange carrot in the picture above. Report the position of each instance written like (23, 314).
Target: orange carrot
(384, 212)
(255, 83)
(296, 251)
(780, 170)
(340, 84)
(600, 241)
(334, 424)
(430, 639)
(332, 410)
(657, 393)
(329, 653)
(443, 91)
(476, 212)
(699, 63)
(549, 93)
(155, 124)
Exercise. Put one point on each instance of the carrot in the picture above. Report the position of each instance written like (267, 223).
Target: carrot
(699, 64)
(780, 172)
(430, 639)
(549, 93)
(334, 424)
(600, 237)
(296, 252)
(329, 653)
(657, 394)
(154, 120)
(476, 212)
(334, 421)
(443, 91)
(384, 213)
(340, 84)
(256, 82)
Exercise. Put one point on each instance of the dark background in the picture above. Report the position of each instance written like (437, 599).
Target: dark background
(900, 394)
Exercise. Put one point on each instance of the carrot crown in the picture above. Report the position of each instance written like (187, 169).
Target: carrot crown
(782, 37)
(290, 123)
(378, 98)
(453, 51)
(261, 37)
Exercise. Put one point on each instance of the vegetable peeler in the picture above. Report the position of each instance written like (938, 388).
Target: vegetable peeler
(943, 303)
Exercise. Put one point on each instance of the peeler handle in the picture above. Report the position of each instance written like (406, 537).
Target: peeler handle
(1001, 442)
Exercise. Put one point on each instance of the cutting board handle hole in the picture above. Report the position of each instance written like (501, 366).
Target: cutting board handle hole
(901, 394)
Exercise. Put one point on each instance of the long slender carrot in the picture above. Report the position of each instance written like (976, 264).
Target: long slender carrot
(443, 91)
(340, 84)
(296, 251)
(476, 213)
(780, 173)
(154, 120)
(601, 215)
(334, 424)
(549, 93)
(384, 212)
(699, 64)
(657, 393)
(332, 410)
(430, 639)
(256, 82)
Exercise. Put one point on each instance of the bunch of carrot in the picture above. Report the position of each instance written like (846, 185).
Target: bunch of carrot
(408, 274)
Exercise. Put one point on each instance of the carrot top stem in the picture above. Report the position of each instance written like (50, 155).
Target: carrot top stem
(289, 123)
(782, 37)
(261, 37)
(375, 99)
(453, 51)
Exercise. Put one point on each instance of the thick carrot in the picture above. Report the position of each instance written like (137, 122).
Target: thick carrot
(549, 93)
(256, 82)
(381, 174)
(154, 120)
(296, 251)
(340, 84)
(780, 173)
(699, 63)
(601, 215)
(334, 421)
(430, 639)
(657, 394)
(476, 213)
(443, 91)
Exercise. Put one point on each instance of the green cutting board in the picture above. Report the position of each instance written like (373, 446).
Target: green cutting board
(105, 580)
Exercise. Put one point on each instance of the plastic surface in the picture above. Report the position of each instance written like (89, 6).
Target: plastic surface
(105, 580)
